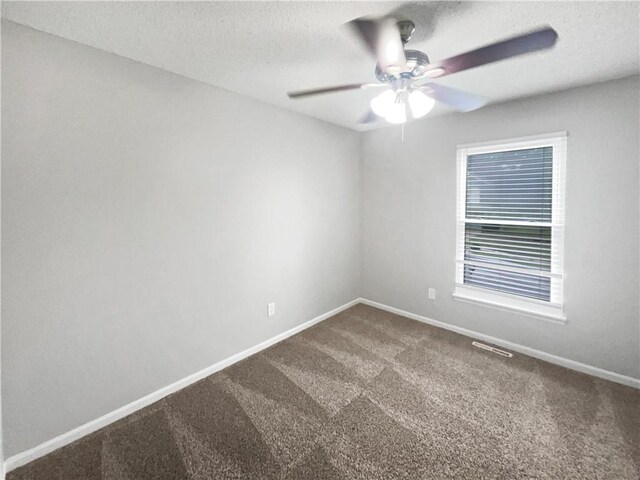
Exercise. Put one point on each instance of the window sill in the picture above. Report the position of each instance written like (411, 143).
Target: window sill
(539, 310)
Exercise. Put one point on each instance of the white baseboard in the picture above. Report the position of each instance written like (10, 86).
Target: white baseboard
(49, 446)
(532, 352)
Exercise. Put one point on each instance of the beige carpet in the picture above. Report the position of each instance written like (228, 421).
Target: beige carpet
(370, 395)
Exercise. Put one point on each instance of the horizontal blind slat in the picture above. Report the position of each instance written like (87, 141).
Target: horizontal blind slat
(515, 283)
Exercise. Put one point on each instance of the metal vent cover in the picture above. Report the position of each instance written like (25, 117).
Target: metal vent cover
(492, 349)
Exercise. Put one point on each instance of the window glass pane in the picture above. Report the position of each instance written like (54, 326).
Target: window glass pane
(524, 285)
(509, 245)
(513, 185)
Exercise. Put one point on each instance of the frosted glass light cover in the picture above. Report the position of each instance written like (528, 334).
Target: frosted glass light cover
(396, 113)
(381, 104)
(420, 104)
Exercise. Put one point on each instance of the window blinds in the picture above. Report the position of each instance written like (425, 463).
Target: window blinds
(508, 222)
(515, 185)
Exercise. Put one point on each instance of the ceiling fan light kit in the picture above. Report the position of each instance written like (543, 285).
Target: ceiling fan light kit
(400, 101)
(399, 70)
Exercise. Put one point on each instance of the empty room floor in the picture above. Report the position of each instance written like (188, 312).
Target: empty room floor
(368, 394)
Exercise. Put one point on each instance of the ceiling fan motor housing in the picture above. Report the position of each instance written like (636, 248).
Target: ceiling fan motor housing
(416, 61)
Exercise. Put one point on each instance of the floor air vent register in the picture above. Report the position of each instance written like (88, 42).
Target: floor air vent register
(497, 351)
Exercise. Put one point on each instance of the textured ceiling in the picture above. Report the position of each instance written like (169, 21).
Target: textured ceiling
(264, 49)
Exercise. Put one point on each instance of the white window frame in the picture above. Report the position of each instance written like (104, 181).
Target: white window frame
(553, 309)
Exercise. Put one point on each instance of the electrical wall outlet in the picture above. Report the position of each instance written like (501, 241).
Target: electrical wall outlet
(432, 294)
(271, 310)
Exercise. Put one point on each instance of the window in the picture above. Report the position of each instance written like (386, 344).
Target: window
(511, 224)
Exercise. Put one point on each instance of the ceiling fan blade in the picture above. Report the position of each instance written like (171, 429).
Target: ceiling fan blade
(382, 39)
(461, 101)
(530, 42)
(337, 88)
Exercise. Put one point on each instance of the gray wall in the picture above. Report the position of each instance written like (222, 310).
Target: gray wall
(409, 220)
(147, 221)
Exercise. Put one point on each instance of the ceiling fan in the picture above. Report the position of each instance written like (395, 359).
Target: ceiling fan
(402, 72)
